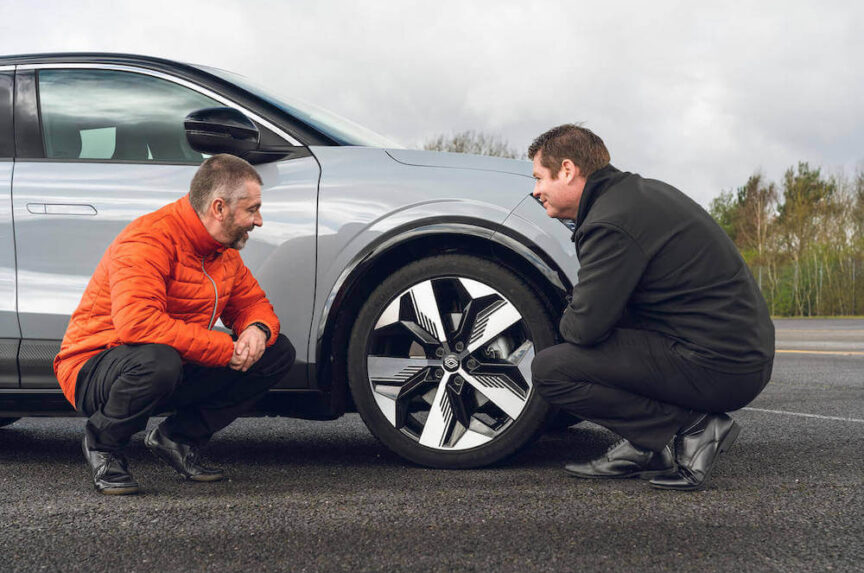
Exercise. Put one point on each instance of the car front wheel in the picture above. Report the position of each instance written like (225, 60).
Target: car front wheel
(440, 362)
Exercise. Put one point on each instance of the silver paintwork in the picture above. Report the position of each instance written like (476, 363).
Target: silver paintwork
(366, 196)
(57, 254)
(8, 316)
(323, 216)
(530, 221)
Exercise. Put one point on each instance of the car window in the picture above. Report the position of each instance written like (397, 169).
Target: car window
(115, 115)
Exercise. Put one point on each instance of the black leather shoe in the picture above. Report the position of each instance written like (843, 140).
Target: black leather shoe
(624, 460)
(110, 474)
(696, 451)
(182, 457)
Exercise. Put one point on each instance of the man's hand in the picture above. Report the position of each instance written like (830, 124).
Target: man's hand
(248, 348)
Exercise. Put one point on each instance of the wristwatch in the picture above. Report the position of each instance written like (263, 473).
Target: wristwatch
(263, 327)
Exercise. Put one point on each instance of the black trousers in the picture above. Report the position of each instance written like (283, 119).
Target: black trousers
(120, 388)
(638, 385)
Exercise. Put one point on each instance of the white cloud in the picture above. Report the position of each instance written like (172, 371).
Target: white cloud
(701, 96)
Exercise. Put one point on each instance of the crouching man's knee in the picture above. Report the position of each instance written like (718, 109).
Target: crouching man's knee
(159, 368)
(542, 367)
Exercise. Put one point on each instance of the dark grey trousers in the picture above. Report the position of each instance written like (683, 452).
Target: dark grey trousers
(120, 388)
(638, 385)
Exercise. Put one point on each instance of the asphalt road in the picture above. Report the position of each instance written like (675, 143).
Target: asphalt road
(325, 496)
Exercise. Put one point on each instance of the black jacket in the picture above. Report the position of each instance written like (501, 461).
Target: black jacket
(652, 259)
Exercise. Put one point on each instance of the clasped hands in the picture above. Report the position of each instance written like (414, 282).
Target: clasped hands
(248, 348)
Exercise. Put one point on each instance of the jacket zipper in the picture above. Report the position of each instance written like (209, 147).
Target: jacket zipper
(215, 291)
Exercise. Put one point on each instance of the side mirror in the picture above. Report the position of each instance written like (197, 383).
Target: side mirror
(221, 130)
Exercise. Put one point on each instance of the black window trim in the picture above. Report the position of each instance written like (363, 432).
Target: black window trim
(7, 117)
(33, 69)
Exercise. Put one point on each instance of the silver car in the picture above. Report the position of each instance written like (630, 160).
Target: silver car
(416, 286)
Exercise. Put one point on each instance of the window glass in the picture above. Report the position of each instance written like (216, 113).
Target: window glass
(342, 130)
(113, 115)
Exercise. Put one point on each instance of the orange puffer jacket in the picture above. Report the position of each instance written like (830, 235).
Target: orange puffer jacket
(164, 280)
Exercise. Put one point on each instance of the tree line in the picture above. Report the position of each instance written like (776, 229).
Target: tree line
(803, 239)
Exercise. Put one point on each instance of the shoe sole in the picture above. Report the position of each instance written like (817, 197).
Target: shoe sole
(118, 490)
(725, 446)
(641, 475)
(202, 478)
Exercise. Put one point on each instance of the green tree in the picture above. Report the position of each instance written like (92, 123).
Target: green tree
(806, 208)
(724, 209)
(806, 247)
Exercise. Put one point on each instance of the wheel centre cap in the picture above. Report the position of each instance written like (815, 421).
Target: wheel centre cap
(451, 363)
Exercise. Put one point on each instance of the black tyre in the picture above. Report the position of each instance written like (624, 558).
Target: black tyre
(7, 421)
(439, 362)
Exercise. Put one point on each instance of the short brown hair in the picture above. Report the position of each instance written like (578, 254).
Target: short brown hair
(574, 142)
(222, 176)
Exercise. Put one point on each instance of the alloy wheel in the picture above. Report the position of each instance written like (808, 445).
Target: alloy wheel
(448, 362)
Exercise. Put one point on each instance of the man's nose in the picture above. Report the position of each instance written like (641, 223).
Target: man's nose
(536, 192)
(259, 220)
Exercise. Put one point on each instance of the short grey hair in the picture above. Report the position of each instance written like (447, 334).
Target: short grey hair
(221, 176)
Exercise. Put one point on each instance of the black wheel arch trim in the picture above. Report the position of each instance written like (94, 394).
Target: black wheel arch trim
(496, 234)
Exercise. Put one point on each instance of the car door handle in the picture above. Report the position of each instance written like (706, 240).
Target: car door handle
(61, 209)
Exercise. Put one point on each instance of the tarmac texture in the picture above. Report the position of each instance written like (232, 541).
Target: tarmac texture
(326, 496)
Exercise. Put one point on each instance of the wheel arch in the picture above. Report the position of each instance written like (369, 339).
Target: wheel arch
(413, 242)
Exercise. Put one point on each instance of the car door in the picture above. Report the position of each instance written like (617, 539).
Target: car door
(9, 331)
(107, 145)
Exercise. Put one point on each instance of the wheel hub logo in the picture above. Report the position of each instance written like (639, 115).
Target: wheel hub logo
(451, 363)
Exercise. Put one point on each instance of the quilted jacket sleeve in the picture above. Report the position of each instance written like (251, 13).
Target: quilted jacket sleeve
(138, 270)
(249, 304)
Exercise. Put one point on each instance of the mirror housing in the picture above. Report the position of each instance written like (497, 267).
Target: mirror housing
(221, 130)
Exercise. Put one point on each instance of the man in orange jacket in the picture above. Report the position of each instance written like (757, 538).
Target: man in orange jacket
(142, 342)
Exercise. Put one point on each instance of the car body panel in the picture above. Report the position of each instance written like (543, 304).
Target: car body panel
(282, 253)
(88, 204)
(366, 196)
(10, 332)
(449, 160)
(328, 209)
(8, 319)
(551, 236)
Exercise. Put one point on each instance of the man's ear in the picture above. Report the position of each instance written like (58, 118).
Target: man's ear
(570, 171)
(218, 208)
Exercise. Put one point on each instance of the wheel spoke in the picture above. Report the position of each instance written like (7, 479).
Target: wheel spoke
(390, 314)
(420, 334)
(426, 307)
(395, 381)
(500, 388)
(492, 321)
(522, 357)
(456, 393)
(414, 383)
(476, 289)
(440, 422)
(396, 371)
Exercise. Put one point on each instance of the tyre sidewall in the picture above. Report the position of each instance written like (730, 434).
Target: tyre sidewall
(532, 418)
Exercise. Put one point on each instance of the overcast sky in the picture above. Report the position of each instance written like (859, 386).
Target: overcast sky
(700, 95)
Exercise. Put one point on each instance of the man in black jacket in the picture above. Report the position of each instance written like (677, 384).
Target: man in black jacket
(666, 329)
